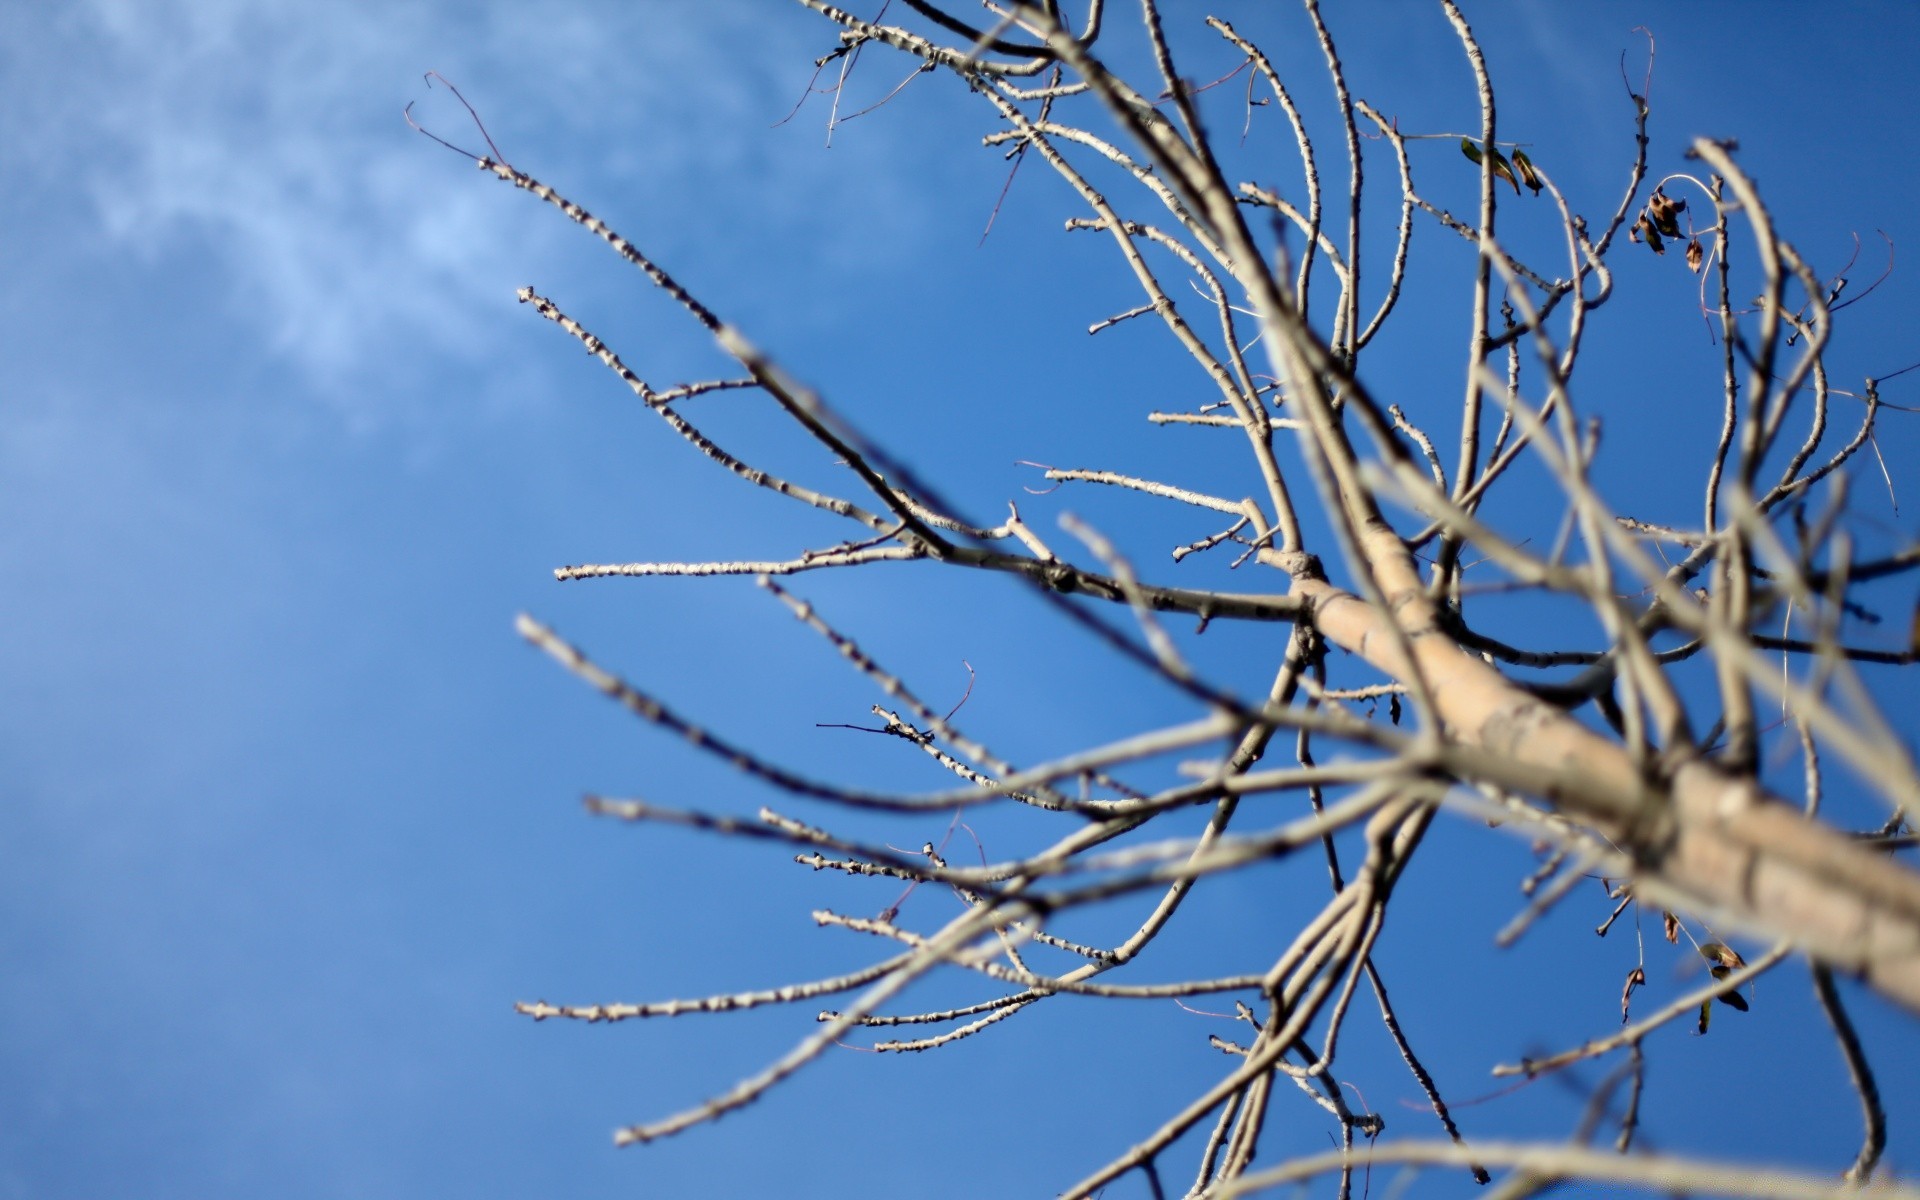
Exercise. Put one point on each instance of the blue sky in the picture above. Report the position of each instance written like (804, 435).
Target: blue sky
(290, 815)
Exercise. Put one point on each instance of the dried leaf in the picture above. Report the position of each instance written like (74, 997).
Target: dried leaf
(1635, 978)
(1528, 175)
(1670, 925)
(1734, 999)
(1664, 212)
(1695, 255)
(1725, 958)
(1393, 707)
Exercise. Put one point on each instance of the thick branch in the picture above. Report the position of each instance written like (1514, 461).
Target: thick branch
(1702, 839)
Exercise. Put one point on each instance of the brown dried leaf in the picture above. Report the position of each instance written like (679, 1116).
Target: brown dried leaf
(1664, 212)
(1635, 978)
(1695, 255)
(1670, 925)
(1725, 958)
(1528, 175)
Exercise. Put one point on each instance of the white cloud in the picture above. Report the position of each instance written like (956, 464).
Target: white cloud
(270, 135)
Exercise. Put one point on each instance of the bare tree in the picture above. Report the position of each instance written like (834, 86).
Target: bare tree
(1635, 755)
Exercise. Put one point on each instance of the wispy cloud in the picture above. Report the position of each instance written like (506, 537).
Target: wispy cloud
(269, 137)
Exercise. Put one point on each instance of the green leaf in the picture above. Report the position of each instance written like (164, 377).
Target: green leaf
(1500, 166)
(1503, 170)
